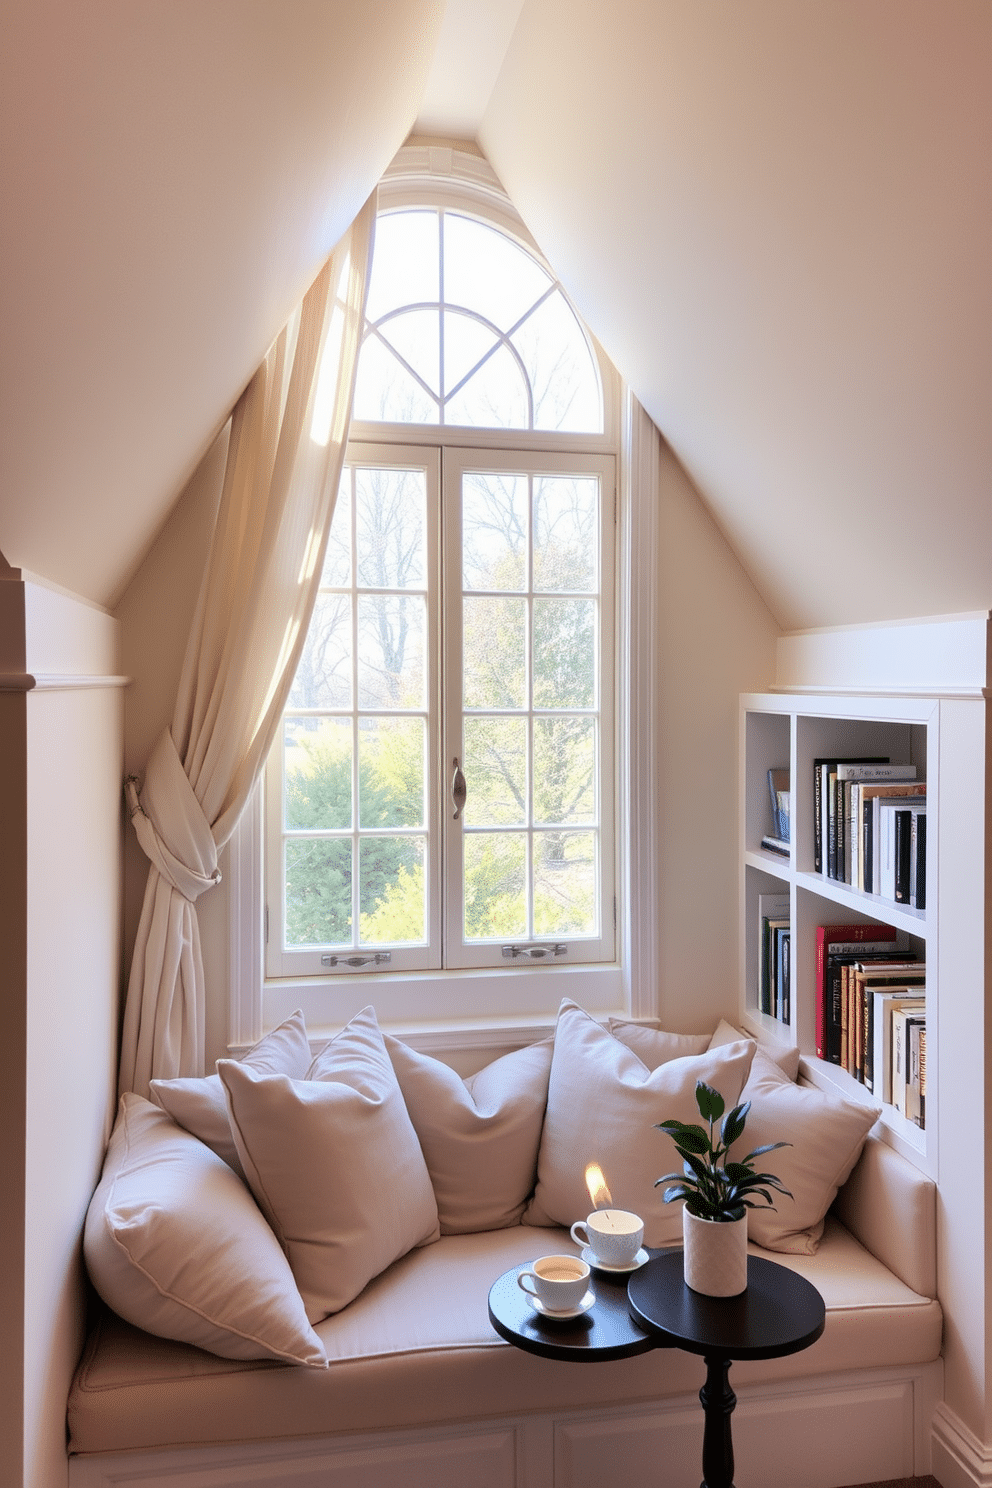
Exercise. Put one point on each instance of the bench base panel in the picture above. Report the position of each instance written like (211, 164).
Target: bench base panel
(869, 1426)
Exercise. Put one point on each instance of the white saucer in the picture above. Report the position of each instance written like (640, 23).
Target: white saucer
(572, 1312)
(591, 1259)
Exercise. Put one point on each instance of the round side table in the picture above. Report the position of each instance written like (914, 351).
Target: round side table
(780, 1313)
(606, 1331)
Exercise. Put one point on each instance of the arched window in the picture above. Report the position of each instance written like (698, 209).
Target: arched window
(464, 630)
(466, 328)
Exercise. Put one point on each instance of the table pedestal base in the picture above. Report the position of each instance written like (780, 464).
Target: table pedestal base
(718, 1401)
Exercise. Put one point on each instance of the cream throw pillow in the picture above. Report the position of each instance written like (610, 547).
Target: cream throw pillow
(175, 1244)
(200, 1105)
(334, 1163)
(827, 1134)
(787, 1059)
(603, 1103)
(653, 1046)
(480, 1135)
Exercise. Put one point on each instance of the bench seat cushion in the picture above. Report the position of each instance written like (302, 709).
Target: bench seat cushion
(416, 1348)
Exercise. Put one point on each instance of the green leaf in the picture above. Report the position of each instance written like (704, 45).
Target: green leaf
(733, 1124)
(768, 1147)
(691, 1139)
(677, 1191)
(710, 1102)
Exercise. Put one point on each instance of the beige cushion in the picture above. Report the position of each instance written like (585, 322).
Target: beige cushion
(785, 1057)
(175, 1244)
(603, 1104)
(827, 1134)
(653, 1046)
(399, 1359)
(891, 1207)
(479, 1136)
(335, 1164)
(200, 1105)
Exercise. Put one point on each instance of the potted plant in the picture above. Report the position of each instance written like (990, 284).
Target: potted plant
(717, 1194)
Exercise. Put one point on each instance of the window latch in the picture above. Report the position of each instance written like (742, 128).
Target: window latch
(375, 960)
(534, 952)
(459, 790)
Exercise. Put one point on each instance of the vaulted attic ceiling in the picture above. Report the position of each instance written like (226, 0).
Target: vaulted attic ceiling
(776, 216)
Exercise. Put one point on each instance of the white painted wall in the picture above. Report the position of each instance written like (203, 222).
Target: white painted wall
(61, 747)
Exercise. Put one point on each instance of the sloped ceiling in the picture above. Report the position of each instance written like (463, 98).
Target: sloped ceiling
(173, 174)
(777, 216)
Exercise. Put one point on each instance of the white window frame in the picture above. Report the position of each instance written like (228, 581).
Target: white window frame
(457, 1010)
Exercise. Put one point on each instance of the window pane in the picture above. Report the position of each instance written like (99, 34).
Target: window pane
(391, 889)
(323, 677)
(391, 761)
(466, 342)
(564, 770)
(565, 883)
(495, 768)
(495, 885)
(560, 367)
(415, 334)
(318, 892)
(317, 773)
(494, 531)
(391, 651)
(405, 264)
(485, 270)
(337, 558)
(391, 518)
(564, 653)
(494, 665)
(495, 397)
(385, 391)
(566, 533)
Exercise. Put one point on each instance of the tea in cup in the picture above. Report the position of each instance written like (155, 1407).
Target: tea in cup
(559, 1282)
(613, 1235)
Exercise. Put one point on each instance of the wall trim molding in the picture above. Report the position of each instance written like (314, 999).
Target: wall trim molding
(967, 1457)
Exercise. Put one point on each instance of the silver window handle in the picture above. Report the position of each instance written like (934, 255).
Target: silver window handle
(375, 960)
(459, 790)
(534, 952)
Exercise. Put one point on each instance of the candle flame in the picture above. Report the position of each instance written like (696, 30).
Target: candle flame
(596, 1184)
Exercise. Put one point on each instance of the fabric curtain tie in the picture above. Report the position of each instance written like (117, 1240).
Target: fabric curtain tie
(170, 823)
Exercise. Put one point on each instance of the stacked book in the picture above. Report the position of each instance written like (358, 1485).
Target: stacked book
(871, 1012)
(870, 827)
(774, 956)
(778, 839)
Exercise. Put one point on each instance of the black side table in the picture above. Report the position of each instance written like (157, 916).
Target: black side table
(780, 1313)
(607, 1331)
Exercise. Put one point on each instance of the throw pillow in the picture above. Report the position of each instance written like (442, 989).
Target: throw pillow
(480, 1135)
(653, 1046)
(200, 1105)
(786, 1058)
(175, 1244)
(334, 1163)
(827, 1134)
(603, 1104)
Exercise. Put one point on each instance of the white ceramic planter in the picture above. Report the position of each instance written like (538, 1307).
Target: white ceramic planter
(715, 1259)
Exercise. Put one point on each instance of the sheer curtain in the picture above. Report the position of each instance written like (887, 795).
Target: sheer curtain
(284, 461)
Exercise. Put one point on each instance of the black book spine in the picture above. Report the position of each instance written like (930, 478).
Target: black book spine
(921, 860)
(866, 845)
(903, 835)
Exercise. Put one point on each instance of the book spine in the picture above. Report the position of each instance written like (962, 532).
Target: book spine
(921, 861)
(902, 835)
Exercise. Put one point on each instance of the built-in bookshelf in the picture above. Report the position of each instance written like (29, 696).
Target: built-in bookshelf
(793, 732)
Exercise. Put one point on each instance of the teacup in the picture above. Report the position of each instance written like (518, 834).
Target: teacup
(613, 1235)
(559, 1282)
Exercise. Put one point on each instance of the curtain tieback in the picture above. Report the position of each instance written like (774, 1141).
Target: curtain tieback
(170, 823)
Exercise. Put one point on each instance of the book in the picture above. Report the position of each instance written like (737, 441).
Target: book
(823, 770)
(872, 794)
(778, 788)
(904, 975)
(772, 909)
(915, 1079)
(850, 777)
(776, 845)
(782, 937)
(851, 940)
(892, 830)
(885, 1003)
(903, 1019)
(918, 886)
